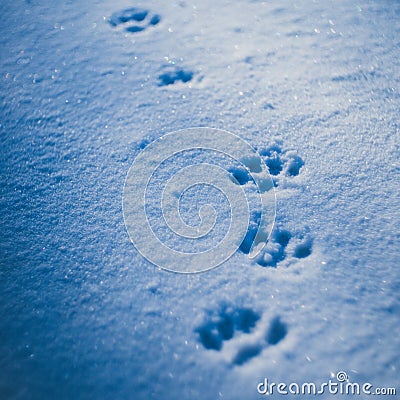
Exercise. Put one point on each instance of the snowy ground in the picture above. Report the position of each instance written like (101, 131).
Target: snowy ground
(314, 86)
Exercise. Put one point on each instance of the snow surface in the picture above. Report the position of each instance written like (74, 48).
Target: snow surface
(313, 86)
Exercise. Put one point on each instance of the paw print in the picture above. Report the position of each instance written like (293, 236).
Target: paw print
(175, 75)
(279, 161)
(282, 244)
(238, 328)
(134, 19)
(224, 324)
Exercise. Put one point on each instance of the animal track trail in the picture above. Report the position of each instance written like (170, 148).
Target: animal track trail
(134, 19)
(238, 327)
(282, 244)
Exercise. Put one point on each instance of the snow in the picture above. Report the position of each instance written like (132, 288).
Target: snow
(86, 86)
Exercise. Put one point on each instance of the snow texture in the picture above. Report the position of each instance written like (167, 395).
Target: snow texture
(85, 86)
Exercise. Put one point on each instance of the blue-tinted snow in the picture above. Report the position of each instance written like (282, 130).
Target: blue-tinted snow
(83, 315)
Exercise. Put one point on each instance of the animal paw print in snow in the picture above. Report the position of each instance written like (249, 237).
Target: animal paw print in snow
(281, 161)
(239, 326)
(134, 19)
(223, 325)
